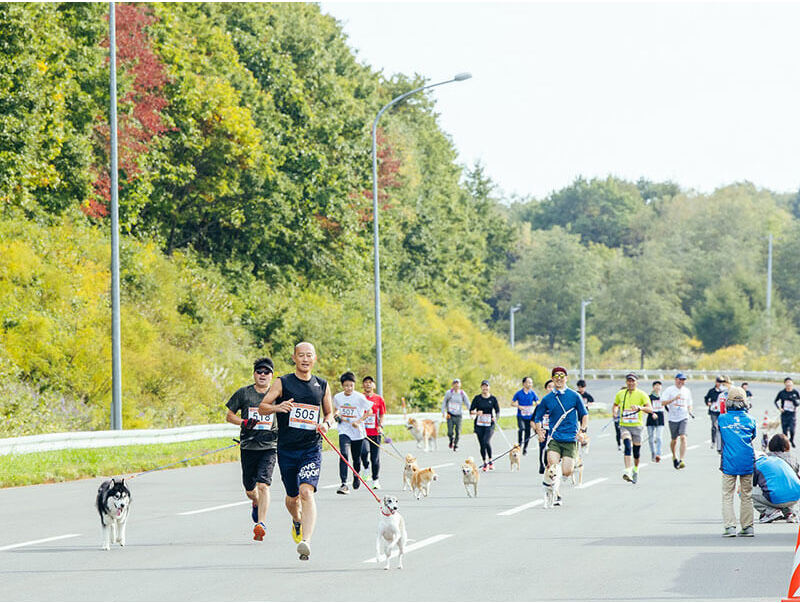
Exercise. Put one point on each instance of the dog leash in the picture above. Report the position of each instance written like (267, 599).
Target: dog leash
(324, 437)
(391, 454)
(389, 441)
(135, 475)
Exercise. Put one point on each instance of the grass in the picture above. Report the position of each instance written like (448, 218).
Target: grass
(82, 463)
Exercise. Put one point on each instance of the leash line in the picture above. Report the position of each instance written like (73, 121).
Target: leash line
(391, 454)
(346, 462)
(135, 475)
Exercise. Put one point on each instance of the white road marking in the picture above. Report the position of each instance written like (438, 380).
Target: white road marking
(604, 435)
(643, 465)
(442, 465)
(330, 486)
(416, 545)
(693, 447)
(591, 483)
(515, 510)
(8, 547)
(707, 442)
(236, 504)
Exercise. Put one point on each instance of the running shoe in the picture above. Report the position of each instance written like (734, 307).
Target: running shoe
(485, 468)
(450, 445)
(455, 447)
(771, 516)
(376, 485)
(491, 466)
(557, 502)
(343, 489)
(681, 464)
(297, 531)
(356, 483)
(304, 550)
(729, 533)
(746, 532)
(635, 477)
(626, 476)
(524, 451)
(254, 514)
(658, 458)
(675, 463)
(258, 531)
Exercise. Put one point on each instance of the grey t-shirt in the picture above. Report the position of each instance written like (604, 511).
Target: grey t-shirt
(265, 436)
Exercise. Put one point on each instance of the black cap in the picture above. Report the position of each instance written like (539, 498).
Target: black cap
(263, 363)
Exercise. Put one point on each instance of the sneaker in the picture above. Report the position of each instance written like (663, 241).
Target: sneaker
(254, 514)
(491, 466)
(681, 464)
(450, 445)
(619, 447)
(297, 531)
(635, 477)
(376, 485)
(455, 447)
(485, 468)
(746, 532)
(658, 458)
(258, 531)
(729, 533)
(627, 477)
(653, 458)
(524, 451)
(343, 489)
(675, 463)
(557, 502)
(770, 516)
(304, 550)
(356, 483)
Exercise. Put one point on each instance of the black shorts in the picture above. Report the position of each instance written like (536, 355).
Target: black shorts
(257, 467)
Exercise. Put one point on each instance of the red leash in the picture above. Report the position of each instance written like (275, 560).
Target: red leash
(375, 496)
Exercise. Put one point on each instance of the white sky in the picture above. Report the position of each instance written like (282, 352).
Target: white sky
(702, 94)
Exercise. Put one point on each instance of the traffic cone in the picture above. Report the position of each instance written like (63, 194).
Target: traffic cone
(765, 422)
(794, 581)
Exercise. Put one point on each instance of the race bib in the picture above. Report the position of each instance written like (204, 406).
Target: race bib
(630, 416)
(546, 422)
(349, 413)
(526, 411)
(484, 420)
(453, 407)
(303, 416)
(370, 422)
(788, 405)
(657, 404)
(714, 407)
(264, 421)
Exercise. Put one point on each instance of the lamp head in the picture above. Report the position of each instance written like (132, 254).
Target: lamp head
(460, 77)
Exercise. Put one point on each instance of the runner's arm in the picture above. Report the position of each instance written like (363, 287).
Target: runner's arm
(232, 418)
(327, 409)
(268, 406)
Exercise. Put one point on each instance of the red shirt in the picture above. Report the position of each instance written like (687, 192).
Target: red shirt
(379, 410)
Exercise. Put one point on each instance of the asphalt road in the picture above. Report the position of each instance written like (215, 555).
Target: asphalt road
(657, 540)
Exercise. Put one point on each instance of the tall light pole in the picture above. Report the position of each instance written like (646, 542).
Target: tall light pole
(512, 311)
(584, 303)
(378, 342)
(769, 290)
(116, 362)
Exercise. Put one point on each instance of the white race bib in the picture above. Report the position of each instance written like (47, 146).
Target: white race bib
(264, 421)
(370, 422)
(526, 411)
(630, 416)
(349, 413)
(453, 407)
(484, 420)
(304, 416)
(546, 422)
(788, 405)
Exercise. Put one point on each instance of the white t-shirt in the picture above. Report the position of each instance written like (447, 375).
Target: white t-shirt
(351, 408)
(679, 409)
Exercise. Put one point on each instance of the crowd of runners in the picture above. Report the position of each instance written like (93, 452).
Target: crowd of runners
(284, 420)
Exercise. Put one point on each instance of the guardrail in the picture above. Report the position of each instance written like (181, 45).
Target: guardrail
(131, 437)
(700, 375)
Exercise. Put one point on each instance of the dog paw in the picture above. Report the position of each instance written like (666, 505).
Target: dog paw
(106, 547)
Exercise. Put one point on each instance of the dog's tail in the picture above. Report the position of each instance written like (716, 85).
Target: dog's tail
(470, 459)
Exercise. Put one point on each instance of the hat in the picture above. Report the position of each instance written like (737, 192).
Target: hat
(558, 369)
(485, 382)
(681, 376)
(263, 363)
(723, 379)
(631, 376)
(456, 380)
(737, 394)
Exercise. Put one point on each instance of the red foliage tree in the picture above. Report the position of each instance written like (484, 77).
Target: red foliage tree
(388, 178)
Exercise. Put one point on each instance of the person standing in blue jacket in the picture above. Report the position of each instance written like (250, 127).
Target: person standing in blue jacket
(566, 410)
(524, 401)
(735, 434)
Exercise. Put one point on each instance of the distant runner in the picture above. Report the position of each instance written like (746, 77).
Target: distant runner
(678, 401)
(787, 402)
(631, 402)
(454, 401)
(486, 411)
(548, 387)
(713, 409)
(373, 425)
(655, 423)
(351, 409)
(524, 401)
(588, 399)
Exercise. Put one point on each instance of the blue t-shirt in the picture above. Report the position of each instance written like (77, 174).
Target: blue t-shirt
(556, 404)
(779, 483)
(527, 400)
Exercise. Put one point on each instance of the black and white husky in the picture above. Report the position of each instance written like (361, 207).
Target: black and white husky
(113, 504)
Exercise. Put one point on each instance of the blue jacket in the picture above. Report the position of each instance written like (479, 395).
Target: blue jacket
(778, 482)
(570, 399)
(736, 433)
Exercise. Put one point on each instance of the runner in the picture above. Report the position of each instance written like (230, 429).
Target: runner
(486, 411)
(548, 387)
(297, 399)
(566, 410)
(615, 416)
(258, 442)
(524, 401)
(351, 409)
(587, 397)
(678, 401)
(631, 402)
(787, 402)
(748, 393)
(454, 400)
(713, 409)
(655, 423)
(373, 425)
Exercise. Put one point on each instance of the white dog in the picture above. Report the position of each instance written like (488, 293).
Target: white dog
(391, 532)
(551, 483)
(113, 504)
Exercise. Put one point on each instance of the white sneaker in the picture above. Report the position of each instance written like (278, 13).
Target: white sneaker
(376, 485)
(304, 550)
(771, 516)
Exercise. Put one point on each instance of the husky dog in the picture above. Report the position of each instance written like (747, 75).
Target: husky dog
(391, 532)
(113, 504)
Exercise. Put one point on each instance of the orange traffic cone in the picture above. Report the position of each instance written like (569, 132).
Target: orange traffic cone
(765, 422)
(794, 581)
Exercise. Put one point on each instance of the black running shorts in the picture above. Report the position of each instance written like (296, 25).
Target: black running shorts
(257, 467)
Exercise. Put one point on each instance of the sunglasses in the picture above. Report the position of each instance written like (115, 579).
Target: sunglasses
(556, 375)
(263, 372)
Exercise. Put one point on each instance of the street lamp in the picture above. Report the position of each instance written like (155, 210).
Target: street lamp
(584, 303)
(512, 310)
(460, 77)
(116, 362)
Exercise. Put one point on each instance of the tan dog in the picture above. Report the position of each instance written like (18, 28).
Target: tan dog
(577, 472)
(408, 471)
(583, 442)
(551, 486)
(515, 456)
(421, 482)
(470, 474)
(423, 431)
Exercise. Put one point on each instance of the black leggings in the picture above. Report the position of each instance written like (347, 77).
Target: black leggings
(787, 425)
(619, 435)
(542, 454)
(346, 445)
(369, 454)
(484, 439)
(523, 432)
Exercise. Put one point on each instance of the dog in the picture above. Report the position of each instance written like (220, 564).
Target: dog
(583, 442)
(515, 456)
(391, 532)
(423, 430)
(577, 471)
(551, 486)
(421, 482)
(408, 471)
(470, 475)
(113, 505)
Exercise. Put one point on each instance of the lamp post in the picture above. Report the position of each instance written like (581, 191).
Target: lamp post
(512, 311)
(769, 291)
(378, 343)
(584, 303)
(116, 362)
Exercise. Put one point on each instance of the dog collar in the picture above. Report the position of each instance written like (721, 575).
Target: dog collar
(387, 514)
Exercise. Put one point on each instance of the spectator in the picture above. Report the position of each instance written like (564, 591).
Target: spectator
(778, 483)
(779, 446)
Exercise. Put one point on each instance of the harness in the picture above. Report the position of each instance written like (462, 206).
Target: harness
(553, 429)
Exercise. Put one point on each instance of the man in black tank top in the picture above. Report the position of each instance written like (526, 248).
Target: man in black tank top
(303, 407)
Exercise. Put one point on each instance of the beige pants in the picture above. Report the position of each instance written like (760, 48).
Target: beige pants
(745, 500)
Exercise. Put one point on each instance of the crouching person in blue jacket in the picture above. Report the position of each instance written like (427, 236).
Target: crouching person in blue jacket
(778, 485)
(735, 435)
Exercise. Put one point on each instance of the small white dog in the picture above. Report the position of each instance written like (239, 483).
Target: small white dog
(551, 483)
(113, 504)
(391, 532)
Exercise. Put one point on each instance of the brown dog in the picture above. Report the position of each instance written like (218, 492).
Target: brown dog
(470, 475)
(421, 481)
(408, 471)
(515, 456)
(423, 431)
